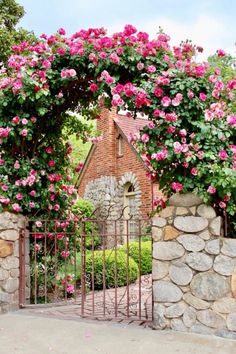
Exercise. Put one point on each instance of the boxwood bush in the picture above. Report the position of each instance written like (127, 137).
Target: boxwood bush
(145, 258)
(110, 269)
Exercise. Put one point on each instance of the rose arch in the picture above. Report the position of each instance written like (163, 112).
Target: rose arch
(188, 142)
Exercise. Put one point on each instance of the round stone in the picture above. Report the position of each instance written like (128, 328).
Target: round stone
(159, 320)
(11, 285)
(165, 291)
(210, 319)
(181, 211)
(195, 302)
(225, 305)
(209, 286)
(191, 242)
(170, 233)
(189, 317)
(205, 235)
(231, 321)
(177, 325)
(176, 310)
(233, 283)
(206, 211)
(229, 247)
(3, 274)
(199, 261)
(213, 247)
(6, 248)
(184, 200)
(190, 224)
(159, 269)
(10, 235)
(10, 263)
(224, 265)
(180, 273)
(159, 222)
(167, 251)
(215, 226)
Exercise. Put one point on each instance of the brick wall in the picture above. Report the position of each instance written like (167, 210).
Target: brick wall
(104, 161)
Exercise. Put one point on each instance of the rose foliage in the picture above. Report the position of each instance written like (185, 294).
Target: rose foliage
(188, 142)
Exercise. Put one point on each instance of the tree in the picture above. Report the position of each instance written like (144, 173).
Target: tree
(10, 14)
(189, 140)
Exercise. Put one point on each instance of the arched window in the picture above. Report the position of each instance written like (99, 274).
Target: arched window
(129, 210)
(120, 146)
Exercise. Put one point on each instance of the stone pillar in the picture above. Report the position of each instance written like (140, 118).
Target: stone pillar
(194, 270)
(10, 226)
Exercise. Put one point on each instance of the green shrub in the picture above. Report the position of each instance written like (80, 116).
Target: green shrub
(110, 269)
(83, 209)
(145, 255)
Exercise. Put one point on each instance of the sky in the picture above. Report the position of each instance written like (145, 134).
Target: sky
(208, 23)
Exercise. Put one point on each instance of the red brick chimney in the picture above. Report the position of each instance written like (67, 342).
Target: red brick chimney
(106, 149)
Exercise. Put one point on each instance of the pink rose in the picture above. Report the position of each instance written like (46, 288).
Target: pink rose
(223, 155)
(182, 132)
(38, 223)
(140, 66)
(24, 121)
(190, 94)
(211, 189)
(46, 64)
(226, 198)
(176, 186)
(194, 171)
(231, 119)
(222, 205)
(16, 207)
(145, 138)
(61, 31)
(51, 163)
(203, 96)
(200, 70)
(31, 204)
(49, 150)
(171, 130)
(220, 53)
(151, 69)
(177, 147)
(93, 87)
(166, 101)
(19, 196)
(24, 132)
(33, 193)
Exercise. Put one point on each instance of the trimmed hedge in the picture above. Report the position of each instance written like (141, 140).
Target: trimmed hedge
(110, 269)
(145, 255)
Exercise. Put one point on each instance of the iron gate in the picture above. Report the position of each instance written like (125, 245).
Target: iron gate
(101, 266)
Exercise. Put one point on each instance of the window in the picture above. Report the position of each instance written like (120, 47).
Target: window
(120, 146)
(129, 210)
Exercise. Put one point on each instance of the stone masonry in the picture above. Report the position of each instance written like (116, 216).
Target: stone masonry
(194, 270)
(10, 226)
(108, 193)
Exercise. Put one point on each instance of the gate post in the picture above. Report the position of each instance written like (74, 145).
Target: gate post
(194, 270)
(10, 228)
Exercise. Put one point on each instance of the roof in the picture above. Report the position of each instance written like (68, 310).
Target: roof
(129, 125)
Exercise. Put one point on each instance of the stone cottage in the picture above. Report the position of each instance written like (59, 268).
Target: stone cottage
(114, 174)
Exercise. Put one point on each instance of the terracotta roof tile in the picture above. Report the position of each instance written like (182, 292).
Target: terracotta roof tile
(130, 125)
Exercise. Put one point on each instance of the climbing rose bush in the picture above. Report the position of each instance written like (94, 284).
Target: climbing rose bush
(188, 142)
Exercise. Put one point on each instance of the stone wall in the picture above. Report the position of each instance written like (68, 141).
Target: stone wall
(108, 192)
(10, 226)
(194, 270)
